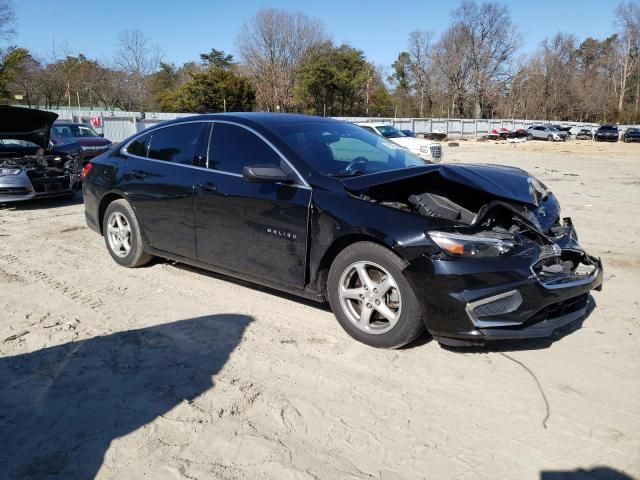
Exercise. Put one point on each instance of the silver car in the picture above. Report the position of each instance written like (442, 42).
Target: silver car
(29, 167)
(543, 132)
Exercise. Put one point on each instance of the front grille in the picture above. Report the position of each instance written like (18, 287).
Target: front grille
(499, 306)
(51, 184)
(481, 311)
(436, 151)
(559, 309)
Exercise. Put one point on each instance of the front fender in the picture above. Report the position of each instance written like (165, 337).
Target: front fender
(338, 220)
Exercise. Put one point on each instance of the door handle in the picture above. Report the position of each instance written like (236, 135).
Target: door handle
(207, 187)
(138, 174)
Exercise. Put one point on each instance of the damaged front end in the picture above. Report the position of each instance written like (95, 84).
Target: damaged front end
(497, 260)
(38, 175)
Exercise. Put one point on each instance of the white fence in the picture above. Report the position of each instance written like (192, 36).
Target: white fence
(117, 126)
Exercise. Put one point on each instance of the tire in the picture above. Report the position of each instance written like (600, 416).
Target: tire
(550, 138)
(120, 219)
(529, 136)
(379, 263)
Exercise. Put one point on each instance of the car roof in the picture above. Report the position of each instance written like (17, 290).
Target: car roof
(373, 124)
(268, 117)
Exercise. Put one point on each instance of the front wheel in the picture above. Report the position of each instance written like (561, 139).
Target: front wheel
(122, 235)
(371, 298)
(550, 138)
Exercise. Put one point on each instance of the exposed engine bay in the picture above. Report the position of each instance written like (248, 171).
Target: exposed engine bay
(47, 173)
(42, 165)
(490, 223)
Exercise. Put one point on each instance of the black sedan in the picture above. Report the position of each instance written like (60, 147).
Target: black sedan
(631, 135)
(326, 210)
(607, 133)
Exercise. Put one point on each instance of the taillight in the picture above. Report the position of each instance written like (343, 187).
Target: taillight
(86, 170)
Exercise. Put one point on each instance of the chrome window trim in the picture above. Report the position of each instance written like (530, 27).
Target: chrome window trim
(302, 182)
(123, 150)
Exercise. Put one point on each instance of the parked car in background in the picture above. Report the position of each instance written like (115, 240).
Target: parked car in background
(409, 133)
(584, 134)
(607, 133)
(546, 132)
(631, 135)
(562, 128)
(92, 143)
(30, 166)
(327, 210)
(423, 148)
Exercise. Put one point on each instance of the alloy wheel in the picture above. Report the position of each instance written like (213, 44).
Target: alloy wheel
(119, 234)
(370, 297)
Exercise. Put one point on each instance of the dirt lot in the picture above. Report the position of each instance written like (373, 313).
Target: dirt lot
(171, 372)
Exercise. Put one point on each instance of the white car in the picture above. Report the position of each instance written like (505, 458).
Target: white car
(425, 149)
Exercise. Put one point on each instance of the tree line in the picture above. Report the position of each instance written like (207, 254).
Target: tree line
(287, 62)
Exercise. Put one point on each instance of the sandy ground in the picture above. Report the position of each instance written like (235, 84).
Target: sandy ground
(168, 372)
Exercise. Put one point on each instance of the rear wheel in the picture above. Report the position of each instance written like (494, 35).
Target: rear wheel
(122, 235)
(370, 297)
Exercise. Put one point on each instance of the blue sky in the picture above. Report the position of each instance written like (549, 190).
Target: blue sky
(185, 28)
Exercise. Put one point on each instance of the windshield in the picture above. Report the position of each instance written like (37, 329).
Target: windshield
(608, 127)
(74, 131)
(342, 149)
(390, 132)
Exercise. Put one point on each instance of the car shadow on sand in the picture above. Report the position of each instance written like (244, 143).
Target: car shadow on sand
(61, 407)
(595, 473)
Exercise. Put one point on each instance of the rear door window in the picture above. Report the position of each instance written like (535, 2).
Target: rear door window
(176, 144)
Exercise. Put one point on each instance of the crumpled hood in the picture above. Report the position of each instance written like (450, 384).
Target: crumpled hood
(26, 124)
(508, 183)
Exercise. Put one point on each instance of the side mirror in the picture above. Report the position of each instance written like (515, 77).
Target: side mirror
(265, 174)
(101, 135)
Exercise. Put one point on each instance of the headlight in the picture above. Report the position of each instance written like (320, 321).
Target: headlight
(425, 149)
(9, 171)
(476, 246)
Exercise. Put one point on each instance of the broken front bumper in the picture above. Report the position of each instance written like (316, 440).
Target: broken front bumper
(19, 188)
(472, 301)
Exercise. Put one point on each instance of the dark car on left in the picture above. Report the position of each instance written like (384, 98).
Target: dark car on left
(30, 165)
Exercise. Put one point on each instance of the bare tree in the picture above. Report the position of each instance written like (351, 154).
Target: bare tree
(273, 44)
(453, 63)
(491, 42)
(7, 20)
(419, 54)
(138, 58)
(628, 22)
